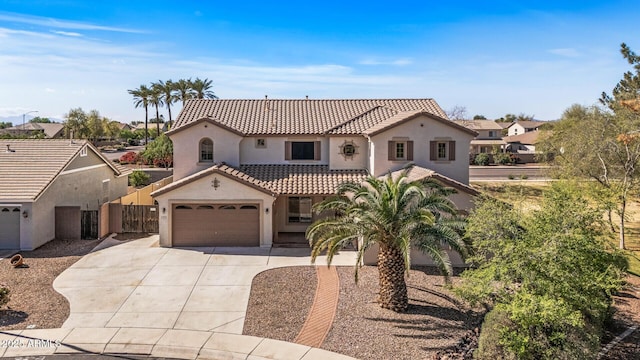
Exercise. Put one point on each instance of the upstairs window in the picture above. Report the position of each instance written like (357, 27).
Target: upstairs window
(206, 150)
(400, 151)
(442, 150)
(302, 150)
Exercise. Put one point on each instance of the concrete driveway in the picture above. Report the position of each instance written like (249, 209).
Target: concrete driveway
(141, 285)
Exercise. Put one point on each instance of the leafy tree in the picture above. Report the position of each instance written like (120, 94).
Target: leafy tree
(139, 178)
(393, 213)
(141, 98)
(202, 89)
(159, 152)
(547, 275)
(479, 117)
(4, 125)
(75, 124)
(94, 125)
(507, 118)
(41, 120)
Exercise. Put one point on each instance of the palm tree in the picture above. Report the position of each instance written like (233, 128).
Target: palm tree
(201, 88)
(183, 89)
(155, 99)
(395, 214)
(168, 97)
(141, 99)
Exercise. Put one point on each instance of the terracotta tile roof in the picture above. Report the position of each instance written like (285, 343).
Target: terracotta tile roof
(50, 130)
(529, 124)
(528, 138)
(218, 169)
(479, 124)
(30, 165)
(417, 173)
(304, 117)
(303, 179)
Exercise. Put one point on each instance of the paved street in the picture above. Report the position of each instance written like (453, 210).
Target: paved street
(486, 173)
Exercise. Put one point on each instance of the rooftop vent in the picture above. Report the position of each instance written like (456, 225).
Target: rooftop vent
(9, 149)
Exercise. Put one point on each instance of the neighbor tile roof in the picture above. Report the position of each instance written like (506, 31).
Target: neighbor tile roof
(528, 124)
(479, 124)
(417, 173)
(302, 117)
(303, 179)
(528, 138)
(30, 165)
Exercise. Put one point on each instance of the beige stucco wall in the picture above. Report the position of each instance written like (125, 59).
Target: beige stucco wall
(358, 161)
(417, 257)
(186, 152)
(201, 191)
(421, 131)
(274, 152)
(78, 187)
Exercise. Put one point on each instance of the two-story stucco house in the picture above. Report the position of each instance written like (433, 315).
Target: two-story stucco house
(521, 127)
(489, 136)
(247, 172)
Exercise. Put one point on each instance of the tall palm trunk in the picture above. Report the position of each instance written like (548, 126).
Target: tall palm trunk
(146, 125)
(393, 288)
(157, 122)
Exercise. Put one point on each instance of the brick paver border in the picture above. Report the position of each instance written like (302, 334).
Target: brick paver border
(323, 310)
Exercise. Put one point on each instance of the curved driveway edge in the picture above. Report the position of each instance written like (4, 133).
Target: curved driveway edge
(169, 343)
(140, 299)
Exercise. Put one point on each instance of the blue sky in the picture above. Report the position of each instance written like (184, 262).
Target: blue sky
(492, 57)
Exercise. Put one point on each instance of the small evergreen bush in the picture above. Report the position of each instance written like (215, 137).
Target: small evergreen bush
(139, 178)
(481, 159)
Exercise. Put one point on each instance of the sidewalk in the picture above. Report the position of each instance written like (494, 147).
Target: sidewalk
(181, 344)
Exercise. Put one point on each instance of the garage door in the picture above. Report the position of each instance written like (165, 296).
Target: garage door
(215, 225)
(9, 227)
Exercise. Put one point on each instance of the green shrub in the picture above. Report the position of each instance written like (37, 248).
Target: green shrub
(489, 347)
(502, 158)
(4, 295)
(511, 177)
(139, 178)
(524, 176)
(481, 159)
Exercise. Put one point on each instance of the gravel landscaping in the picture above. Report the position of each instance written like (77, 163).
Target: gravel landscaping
(435, 321)
(435, 327)
(34, 303)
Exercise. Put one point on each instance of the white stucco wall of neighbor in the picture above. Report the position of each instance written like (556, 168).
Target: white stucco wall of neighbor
(186, 151)
(201, 191)
(78, 187)
(422, 130)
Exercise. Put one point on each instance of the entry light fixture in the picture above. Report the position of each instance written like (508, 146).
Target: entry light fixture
(25, 214)
(266, 210)
(215, 183)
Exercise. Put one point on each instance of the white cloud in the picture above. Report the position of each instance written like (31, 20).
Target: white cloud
(67, 33)
(566, 52)
(60, 24)
(396, 62)
(49, 90)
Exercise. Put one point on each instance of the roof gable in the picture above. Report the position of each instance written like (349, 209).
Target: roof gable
(28, 167)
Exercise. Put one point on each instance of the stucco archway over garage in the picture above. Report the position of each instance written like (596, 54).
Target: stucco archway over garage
(219, 206)
(215, 224)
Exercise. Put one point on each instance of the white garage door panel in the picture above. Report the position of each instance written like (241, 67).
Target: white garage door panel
(10, 228)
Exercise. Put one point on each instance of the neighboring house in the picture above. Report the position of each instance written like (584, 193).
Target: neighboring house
(521, 127)
(46, 186)
(247, 172)
(489, 136)
(124, 126)
(524, 145)
(42, 130)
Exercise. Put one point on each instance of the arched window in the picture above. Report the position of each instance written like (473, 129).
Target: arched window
(206, 150)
